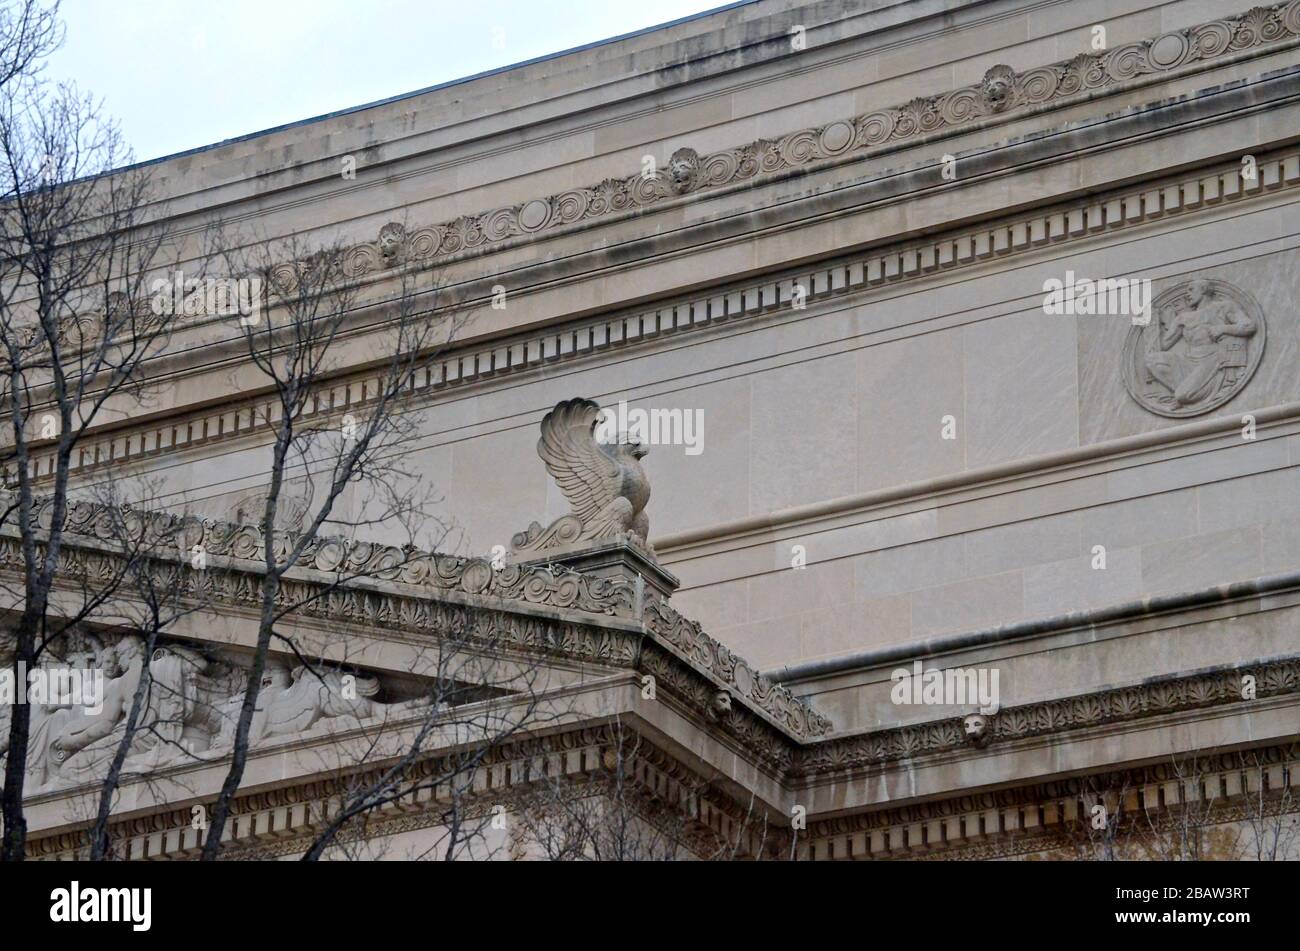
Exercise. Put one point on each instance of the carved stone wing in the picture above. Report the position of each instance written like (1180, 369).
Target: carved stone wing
(589, 478)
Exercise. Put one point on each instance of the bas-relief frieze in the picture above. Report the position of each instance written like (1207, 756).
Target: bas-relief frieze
(1203, 344)
(193, 698)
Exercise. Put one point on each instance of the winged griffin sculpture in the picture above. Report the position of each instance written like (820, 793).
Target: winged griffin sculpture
(603, 483)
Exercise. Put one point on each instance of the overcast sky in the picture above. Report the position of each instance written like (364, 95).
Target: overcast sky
(178, 74)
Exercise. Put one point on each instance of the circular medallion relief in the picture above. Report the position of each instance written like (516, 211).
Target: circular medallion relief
(534, 214)
(1202, 346)
(837, 137)
(1168, 50)
(477, 576)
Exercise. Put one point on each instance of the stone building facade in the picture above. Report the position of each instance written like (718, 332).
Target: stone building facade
(852, 240)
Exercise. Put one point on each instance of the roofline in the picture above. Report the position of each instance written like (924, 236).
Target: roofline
(428, 89)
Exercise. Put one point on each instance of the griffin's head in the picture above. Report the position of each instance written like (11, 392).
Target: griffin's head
(630, 447)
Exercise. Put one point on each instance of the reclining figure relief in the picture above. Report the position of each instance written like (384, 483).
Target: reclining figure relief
(190, 707)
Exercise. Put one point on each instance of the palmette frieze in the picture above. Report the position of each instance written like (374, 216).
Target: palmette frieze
(688, 641)
(1054, 717)
(1002, 90)
(382, 610)
(190, 536)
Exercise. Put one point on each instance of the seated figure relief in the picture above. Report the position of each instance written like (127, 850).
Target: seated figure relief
(1199, 351)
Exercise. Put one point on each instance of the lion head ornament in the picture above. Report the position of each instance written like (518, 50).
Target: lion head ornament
(998, 87)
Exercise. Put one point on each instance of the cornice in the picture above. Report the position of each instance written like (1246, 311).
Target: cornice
(767, 724)
(285, 820)
(389, 589)
(686, 640)
(858, 274)
(770, 722)
(763, 715)
(1001, 93)
(1153, 698)
(735, 61)
(1042, 817)
(334, 559)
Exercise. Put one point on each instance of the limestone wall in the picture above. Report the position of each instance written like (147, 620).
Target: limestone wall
(822, 425)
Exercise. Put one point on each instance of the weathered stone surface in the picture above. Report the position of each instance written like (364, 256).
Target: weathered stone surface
(839, 258)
